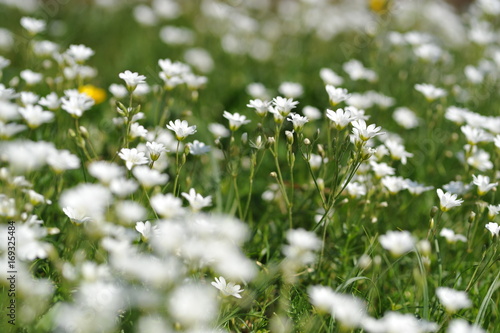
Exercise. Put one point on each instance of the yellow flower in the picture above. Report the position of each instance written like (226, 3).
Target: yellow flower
(379, 6)
(97, 94)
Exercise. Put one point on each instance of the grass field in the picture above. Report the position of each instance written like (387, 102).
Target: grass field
(249, 166)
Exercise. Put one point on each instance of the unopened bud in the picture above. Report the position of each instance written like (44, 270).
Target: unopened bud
(472, 217)
(289, 137)
(71, 133)
(244, 138)
(273, 174)
(321, 184)
(84, 131)
(270, 141)
(434, 210)
(307, 142)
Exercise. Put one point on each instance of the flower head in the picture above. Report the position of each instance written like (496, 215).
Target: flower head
(227, 289)
(494, 228)
(33, 25)
(284, 105)
(196, 200)
(453, 300)
(363, 132)
(181, 129)
(336, 95)
(235, 120)
(430, 92)
(298, 121)
(132, 157)
(397, 242)
(261, 107)
(483, 184)
(132, 79)
(448, 200)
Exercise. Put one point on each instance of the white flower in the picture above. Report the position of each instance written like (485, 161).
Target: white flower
(462, 326)
(35, 115)
(483, 184)
(393, 322)
(302, 245)
(329, 77)
(416, 188)
(451, 237)
(137, 130)
(382, 169)
(149, 177)
(75, 103)
(123, 187)
(340, 118)
(76, 216)
(79, 53)
(193, 305)
(235, 120)
(128, 211)
(196, 200)
(363, 132)
(283, 106)
(312, 112)
(475, 135)
(480, 160)
(167, 205)
(357, 71)
(291, 89)
(430, 92)
(181, 129)
(4, 62)
(261, 107)
(227, 289)
(198, 148)
(394, 184)
(496, 140)
(494, 228)
(105, 171)
(31, 77)
(132, 157)
(10, 129)
(355, 189)
(132, 79)
(51, 101)
(493, 211)
(453, 300)
(90, 200)
(257, 90)
(405, 118)
(448, 200)
(62, 160)
(155, 150)
(350, 311)
(33, 25)
(118, 90)
(336, 95)
(146, 230)
(298, 121)
(397, 242)
(397, 151)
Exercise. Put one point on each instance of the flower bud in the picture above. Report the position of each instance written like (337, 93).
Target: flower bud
(472, 217)
(84, 131)
(434, 210)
